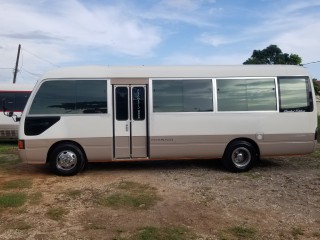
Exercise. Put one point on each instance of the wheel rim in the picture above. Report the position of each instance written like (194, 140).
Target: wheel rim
(241, 157)
(66, 160)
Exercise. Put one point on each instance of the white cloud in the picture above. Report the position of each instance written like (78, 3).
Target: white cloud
(62, 30)
(183, 11)
(74, 24)
(217, 59)
(185, 5)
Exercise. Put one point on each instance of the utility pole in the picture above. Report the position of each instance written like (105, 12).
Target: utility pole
(16, 67)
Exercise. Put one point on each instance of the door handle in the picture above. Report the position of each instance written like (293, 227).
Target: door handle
(127, 127)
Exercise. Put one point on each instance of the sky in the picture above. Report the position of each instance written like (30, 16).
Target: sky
(62, 33)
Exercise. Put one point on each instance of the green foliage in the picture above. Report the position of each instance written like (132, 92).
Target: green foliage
(273, 55)
(12, 200)
(316, 86)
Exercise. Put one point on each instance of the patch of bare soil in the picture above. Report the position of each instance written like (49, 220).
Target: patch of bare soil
(278, 199)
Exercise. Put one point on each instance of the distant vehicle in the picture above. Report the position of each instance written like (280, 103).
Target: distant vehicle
(100, 114)
(13, 100)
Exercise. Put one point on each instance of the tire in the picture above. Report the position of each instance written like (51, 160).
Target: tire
(66, 159)
(240, 156)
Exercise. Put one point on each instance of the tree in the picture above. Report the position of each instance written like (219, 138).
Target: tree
(316, 86)
(273, 55)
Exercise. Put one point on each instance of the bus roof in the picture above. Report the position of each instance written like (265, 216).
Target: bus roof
(207, 71)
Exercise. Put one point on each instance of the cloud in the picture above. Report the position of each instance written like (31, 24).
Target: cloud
(293, 28)
(75, 24)
(210, 59)
(217, 40)
(33, 35)
(195, 13)
(70, 31)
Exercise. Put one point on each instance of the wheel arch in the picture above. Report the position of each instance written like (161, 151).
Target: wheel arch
(62, 142)
(249, 140)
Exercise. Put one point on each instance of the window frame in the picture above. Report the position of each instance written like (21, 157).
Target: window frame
(14, 97)
(108, 94)
(309, 94)
(151, 95)
(248, 78)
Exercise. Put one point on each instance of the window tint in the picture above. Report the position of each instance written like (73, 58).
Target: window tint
(122, 104)
(246, 94)
(71, 97)
(182, 95)
(14, 101)
(21, 99)
(295, 94)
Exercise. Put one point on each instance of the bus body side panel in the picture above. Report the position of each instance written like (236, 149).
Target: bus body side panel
(92, 133)
(8, 130)
(206, 135)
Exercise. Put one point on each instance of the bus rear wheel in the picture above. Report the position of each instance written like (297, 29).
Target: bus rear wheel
(240, 156)
(66, 159)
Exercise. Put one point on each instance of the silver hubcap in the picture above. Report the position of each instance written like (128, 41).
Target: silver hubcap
(66, 160)
(241, 157)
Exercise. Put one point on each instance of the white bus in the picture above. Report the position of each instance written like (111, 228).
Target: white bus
(99, 114)
(13, 100)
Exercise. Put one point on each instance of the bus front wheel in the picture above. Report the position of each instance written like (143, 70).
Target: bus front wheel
(66, 159)
(240, 156)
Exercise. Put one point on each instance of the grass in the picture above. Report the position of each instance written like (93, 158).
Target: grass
(35, 198)
(8, 160)
(243, 232)
(296, 232)
(165, 233)
(57, 213)
(238, 232)
(13, 200)
(8, 155)
(73, 193)
(131, 195)
(17, 184)
(19, 225)
(8, 147)
(253, 175)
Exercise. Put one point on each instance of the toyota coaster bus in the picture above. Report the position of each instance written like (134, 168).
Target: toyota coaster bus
(80, 115)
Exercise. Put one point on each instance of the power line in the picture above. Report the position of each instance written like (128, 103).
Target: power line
(41, 58)
(310, 63)
(31, 73)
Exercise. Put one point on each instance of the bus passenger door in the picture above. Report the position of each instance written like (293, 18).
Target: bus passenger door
(130, 121)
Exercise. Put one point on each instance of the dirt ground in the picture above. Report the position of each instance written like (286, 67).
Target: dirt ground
(278, 199)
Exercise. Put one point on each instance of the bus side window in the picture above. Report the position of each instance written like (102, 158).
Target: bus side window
(295, 94)
(21, 99)
(122, 104)
(7, 99)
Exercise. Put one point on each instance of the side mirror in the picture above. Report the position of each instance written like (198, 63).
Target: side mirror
(9, 114)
